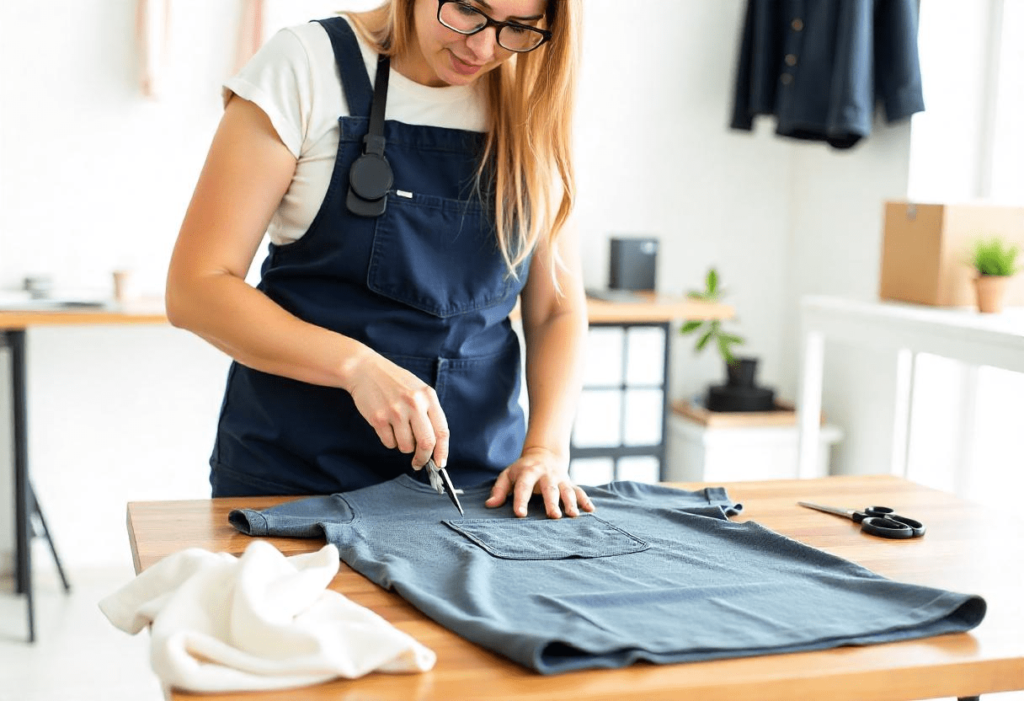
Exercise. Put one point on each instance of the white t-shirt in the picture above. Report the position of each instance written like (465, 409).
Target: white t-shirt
(295, 80)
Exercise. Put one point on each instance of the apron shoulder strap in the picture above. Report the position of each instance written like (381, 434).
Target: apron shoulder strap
(354, 79)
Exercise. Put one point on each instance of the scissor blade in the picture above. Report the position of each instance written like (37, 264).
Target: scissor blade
(450, 488)
(846, 513)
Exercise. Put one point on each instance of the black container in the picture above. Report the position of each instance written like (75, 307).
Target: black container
(726, 398)
(633, 264)
(741, 372)
(741, 392)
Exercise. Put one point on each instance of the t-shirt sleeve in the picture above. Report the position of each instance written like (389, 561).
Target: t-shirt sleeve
(302, 518)
(278, 81)
(661, 497)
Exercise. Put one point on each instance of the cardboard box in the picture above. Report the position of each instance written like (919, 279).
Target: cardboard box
(926, 251)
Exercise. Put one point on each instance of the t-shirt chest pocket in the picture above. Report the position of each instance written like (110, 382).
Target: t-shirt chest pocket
(437, 255)
(586, 536)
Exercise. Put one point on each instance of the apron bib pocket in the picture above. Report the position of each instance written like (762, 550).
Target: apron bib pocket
(420, 249)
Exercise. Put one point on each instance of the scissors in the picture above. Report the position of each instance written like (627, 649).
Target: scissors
(441, 482)
(878, 521)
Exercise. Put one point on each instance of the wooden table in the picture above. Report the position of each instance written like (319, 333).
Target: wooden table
(13, 326)
(968, 548)
(654, 308)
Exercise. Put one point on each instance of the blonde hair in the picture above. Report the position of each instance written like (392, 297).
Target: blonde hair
(527, 161)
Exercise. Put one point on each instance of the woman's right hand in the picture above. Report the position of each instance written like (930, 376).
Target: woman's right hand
(401, 408)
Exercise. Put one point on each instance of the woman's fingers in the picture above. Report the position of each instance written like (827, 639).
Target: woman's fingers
(404, 436)
(582, 499)
(386, 435)
(500, 490)
(539, 472)
(403, 410)
(521, 493)
(552, 496)
(424, 439)
(441, 434)
(567, 492)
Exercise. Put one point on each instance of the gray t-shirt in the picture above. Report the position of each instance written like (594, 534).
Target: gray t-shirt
(656, 574)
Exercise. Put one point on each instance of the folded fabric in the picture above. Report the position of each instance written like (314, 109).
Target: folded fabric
(655, 574)
(259, 621)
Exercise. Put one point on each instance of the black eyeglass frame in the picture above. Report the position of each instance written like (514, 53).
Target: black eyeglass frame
(545, 34)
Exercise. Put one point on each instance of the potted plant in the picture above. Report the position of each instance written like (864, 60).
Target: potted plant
(740, 393)
(995, 261)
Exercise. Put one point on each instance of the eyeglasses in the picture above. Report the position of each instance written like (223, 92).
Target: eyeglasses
(461, 17)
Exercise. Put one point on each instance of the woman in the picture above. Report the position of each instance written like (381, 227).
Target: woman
(383, 329)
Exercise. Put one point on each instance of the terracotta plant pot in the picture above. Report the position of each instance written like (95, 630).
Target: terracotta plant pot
(991, 290)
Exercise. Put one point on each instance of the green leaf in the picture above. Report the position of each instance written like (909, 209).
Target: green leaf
(732, 338)
(693, 294)
(691, 326)
(712, 282)
(723, 348)
(704, 340)
(994, 257)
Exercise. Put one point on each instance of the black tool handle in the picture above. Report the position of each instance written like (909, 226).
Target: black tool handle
(886, 528)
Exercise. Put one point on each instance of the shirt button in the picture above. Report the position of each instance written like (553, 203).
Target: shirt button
(786, 79)
(797, 24)
(790, 59)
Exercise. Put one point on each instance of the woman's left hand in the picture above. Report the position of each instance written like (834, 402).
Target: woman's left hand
(539, 471)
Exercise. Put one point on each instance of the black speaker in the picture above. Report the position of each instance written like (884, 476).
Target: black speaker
(633, 263)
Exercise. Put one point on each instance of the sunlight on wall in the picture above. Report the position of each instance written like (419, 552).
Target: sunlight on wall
(968, 145)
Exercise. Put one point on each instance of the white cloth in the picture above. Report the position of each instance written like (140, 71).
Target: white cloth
(294, 79)
(259, 621)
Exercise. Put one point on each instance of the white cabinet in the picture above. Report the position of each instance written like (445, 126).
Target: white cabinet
(699, 453)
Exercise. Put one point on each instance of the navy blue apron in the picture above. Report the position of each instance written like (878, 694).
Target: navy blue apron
(424, 284)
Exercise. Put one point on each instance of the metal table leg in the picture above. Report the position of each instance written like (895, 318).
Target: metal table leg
(38, 511)
(25, 502)
(22, 499)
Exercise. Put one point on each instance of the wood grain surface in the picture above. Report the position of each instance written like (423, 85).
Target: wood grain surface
(654, 308)
(142, 311)
(647, 309)
(969, 547)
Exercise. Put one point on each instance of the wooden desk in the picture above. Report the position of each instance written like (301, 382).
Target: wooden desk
(13, 325)
(968, 548)
(654, 308)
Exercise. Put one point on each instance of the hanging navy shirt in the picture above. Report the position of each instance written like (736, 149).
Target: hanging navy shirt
(656, 574)
(821, 67)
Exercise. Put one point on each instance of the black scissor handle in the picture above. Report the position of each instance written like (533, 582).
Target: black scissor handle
(914, 525)
(884, 527)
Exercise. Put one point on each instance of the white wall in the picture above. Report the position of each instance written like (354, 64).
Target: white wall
(95, 177)
(655, 157)
(836, 240)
